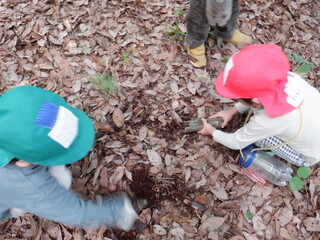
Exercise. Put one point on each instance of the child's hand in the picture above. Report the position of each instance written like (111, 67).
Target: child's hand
(207, 128)
(226, 115)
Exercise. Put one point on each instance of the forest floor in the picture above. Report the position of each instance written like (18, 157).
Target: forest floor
(194, 188)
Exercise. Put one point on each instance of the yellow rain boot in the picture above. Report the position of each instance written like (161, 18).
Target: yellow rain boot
(197, 56)
(240, 38)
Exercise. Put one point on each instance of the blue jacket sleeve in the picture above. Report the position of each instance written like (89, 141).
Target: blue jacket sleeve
(34, 190)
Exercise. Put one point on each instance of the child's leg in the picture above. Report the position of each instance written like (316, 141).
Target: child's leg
(219, 12)
(197, 24)
(226, 31)
(285, 152)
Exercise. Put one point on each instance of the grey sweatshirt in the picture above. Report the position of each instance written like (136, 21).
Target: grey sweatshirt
(34, 190)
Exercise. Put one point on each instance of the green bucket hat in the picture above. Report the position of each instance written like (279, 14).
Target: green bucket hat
(38, 126)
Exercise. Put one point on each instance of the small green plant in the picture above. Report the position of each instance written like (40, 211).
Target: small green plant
(225, 58)
(126, 57)
(177, 29)
(106, 84)
(304, 66)
(296, 183)
(175, 34)
(249, 215)
(179, 11)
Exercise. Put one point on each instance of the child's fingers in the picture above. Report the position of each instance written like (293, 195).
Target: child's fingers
(215, 115)
(218, 115)
(225, 122)
(204, 121)
(203, 130)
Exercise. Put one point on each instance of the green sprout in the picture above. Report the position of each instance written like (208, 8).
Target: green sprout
(296, 183)
(225, 58)
(249, 215)
(126, 57)
(179, 11)
(304, 66)
(175, 34)
(106, 84)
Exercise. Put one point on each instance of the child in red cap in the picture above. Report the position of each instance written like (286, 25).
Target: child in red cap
(283, 104)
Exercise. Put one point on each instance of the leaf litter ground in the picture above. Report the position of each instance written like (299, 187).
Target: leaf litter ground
(194, 188)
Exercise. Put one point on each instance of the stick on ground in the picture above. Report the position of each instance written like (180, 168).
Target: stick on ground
(195, 125)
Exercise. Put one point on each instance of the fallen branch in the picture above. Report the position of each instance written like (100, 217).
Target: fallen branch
(195, 125)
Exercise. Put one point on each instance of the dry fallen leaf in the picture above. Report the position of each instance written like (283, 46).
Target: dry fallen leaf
(211, 224)
(143, 132)
(174, 87)
(193, 87)
(187, 174)
(159, 230)
(116, 177)
(236, 238)
(154, 158)
(286, 216)
(118, 117)
(178, 233)
(312, 224)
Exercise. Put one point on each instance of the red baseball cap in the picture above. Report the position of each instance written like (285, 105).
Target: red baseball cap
(261, 71)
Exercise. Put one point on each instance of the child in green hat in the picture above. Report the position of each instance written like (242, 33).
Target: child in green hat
(39, 134)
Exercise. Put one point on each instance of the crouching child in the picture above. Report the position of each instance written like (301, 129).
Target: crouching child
(39, 134)
(285, 107)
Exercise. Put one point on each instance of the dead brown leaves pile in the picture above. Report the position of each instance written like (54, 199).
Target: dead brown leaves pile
(198, 188)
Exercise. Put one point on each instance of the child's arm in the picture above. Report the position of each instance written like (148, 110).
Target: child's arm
(226, 115)
(244, 136)
(61, 205)
(34, 190)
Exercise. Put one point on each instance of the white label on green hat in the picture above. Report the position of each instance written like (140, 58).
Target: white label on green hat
(65, 129)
